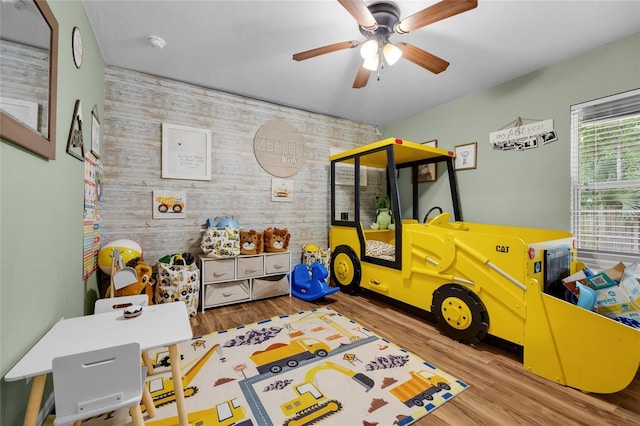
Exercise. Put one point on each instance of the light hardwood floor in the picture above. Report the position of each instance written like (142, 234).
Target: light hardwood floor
(501, 392)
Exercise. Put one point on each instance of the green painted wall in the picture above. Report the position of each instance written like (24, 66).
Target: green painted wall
(41, 208)
(41, 202)
(528, 188)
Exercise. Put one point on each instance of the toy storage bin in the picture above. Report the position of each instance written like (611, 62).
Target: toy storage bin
(251, 242)
(221, 242)
(220, 270)
(319, 255)
(277, 263)
(269, 286)
(178, 283)
(227, 292)
(250, 266)
(276, 240)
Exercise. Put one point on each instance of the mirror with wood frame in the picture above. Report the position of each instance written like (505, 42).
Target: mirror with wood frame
(28, 75)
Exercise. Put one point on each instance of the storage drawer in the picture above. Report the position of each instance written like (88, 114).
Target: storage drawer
(223, 293)
(277, 263)
(275, 285)
(218, 270)
(251, 266)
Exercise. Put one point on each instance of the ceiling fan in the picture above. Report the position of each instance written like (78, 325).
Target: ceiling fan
(377, 23)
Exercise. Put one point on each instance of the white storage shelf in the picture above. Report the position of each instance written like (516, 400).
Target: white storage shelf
(243, 278)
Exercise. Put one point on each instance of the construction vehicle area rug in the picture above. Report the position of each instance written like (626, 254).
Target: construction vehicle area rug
(314, 367)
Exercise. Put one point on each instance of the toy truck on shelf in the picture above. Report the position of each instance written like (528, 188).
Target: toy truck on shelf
(476, 279)
(275, 357)
(420, 387)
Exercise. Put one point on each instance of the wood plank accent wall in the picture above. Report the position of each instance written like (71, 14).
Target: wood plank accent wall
(25, 76)
(137, 104)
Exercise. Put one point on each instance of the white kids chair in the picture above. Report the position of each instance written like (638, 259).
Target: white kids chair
(116, 303)
(113, 303)
(95, 382)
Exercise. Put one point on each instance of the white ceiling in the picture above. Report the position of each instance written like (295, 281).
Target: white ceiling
(246, 47)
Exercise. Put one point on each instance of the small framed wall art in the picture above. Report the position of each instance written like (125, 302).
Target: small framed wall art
(169, 204)
(186, 152)
(95, 132)
(428, 172)
(282, 190)
(75, 144)
(466, 156)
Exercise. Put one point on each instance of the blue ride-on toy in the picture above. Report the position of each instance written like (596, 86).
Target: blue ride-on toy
(309, 283)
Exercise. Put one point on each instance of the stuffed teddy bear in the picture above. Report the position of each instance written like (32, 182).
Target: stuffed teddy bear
(145, 281)
(250, 242)
(383, 214)
(276, 240)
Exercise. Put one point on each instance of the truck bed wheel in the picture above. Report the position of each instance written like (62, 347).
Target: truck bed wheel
(275, 369)
(345, 269)
(460, 313)
(444, 386)
(321, 353)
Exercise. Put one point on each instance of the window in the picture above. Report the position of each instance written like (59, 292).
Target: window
(605, 175)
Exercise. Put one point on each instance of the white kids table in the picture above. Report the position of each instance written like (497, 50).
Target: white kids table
(159, 325)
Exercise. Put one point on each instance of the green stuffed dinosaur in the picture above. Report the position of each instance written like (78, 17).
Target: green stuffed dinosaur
(383, 214)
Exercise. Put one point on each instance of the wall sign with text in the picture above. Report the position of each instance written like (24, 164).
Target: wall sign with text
(279, 148)
(523, 136)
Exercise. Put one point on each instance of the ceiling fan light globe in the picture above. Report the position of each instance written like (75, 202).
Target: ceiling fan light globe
(392, 53)
(369, 49)
(371, 64)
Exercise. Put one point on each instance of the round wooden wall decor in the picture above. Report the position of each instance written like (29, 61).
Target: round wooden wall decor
(279, 148)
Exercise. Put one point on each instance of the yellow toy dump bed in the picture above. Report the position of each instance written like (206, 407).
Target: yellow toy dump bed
(475, 278)
(278, 355)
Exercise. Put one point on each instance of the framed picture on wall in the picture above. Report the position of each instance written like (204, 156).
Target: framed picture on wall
(95, 132)
(281, 189)
(428, 172)
(169, 204)
(186, 152)
(75, 142)
(466, 156)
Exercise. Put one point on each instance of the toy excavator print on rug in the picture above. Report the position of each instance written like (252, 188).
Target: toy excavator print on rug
(315, 367)
(311, 405)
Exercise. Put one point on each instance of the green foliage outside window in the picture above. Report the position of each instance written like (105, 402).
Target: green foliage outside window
(606, 208)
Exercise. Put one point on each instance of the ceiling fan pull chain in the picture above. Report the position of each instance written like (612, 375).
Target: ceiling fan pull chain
(380, 60)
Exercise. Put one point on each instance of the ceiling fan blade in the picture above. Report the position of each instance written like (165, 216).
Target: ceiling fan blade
(361, 13)
(425, 59)
(362, 77)
(434, 13)
(325, 49)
